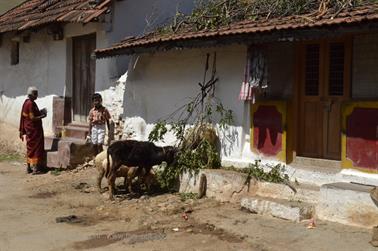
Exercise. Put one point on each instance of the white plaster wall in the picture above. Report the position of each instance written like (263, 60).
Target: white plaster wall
(113, 98)
(365, 74)
(134, 18)
(39, 65)
(10, 110)
(160, 83)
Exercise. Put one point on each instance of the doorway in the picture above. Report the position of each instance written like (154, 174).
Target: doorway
(324, 85)
(84, 71)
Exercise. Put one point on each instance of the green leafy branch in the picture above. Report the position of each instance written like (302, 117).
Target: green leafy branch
(193, 124)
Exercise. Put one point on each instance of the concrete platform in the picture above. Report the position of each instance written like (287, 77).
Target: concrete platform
(315, 172)
(284, 209)
(347, 203)
(231, 186)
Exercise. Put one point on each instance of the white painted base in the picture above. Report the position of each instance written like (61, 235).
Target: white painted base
(347, 203)
(10, 110)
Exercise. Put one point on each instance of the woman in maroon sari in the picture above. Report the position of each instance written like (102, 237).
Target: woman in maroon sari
(31, 126)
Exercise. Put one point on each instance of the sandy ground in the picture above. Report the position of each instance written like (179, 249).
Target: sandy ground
(10, 141)
(29, 206)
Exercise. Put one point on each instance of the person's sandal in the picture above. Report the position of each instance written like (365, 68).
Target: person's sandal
(28, 170)
(36, 171)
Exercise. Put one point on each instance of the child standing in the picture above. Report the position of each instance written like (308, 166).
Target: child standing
(98, 117)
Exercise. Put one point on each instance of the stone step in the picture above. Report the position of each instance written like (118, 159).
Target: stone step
(315, 162)
(347, 203)
(51, 143)
(53, 159)
(283, 209)
(75, 131)
(73, 152)
(305, 193)
(69, 140)
(70, 153)
(350, 175)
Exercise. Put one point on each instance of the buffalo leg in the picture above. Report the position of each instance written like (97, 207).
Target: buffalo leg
(99, 179)
(130, 176)
(111, 184)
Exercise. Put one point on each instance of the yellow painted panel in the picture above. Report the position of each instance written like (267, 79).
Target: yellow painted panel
(347, 110)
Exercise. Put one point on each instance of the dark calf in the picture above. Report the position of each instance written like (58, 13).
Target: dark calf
(141, 154)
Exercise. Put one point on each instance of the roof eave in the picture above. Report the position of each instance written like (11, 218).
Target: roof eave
(291, 35)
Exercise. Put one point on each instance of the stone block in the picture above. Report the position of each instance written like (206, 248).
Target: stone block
(73, 152)
(51, 143)
(52, 160)
(305, 193)
(347, 203)
(79, 132)
(222, 185)
(288, 210)
(70, 152)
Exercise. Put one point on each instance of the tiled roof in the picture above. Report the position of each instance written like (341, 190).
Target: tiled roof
(130, 45)
(33, 13)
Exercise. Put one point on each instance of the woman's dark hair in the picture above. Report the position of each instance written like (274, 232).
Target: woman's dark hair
(96, 96)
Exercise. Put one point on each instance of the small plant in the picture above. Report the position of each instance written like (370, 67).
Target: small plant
(10, 157)
(276, 174)
(187, 196)
(56, 172)
(167, 178)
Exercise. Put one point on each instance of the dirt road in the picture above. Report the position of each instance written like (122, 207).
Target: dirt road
(29, 206)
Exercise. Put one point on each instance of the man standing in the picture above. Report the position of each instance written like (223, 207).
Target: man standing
(31, 126)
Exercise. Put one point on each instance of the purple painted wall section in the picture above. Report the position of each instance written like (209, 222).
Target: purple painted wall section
(362, 138)
(267, 130)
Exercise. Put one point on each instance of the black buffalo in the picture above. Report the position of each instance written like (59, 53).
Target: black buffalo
(141, 154)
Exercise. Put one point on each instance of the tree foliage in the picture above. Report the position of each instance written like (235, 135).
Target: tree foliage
(195, 127)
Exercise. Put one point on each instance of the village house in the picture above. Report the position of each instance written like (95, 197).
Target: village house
(316, 111)
(303, 90)
(49, 44)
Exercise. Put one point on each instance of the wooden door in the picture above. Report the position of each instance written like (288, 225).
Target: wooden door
(324, 86)
(84, 67)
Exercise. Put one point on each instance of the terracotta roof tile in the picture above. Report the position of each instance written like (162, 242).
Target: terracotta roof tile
(33, 13)
(367, 12)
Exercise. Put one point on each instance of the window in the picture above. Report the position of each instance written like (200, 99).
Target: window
(336, 69)
(15, 53)
(312, 70)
